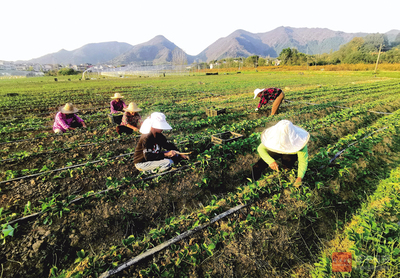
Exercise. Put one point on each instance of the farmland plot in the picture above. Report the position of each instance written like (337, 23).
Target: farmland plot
(75, 206)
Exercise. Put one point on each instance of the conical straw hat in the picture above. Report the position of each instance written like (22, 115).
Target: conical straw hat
(155, 120)
(68, 109)
(117, 95)
(285, 138)
(132, 107)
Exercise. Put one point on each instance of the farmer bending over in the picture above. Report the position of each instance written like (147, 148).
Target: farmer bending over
(131, 119)
(148, 153)
(265, 95)
(286, 142)
(66, 119)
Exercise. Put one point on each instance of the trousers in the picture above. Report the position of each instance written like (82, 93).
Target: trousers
(124, 129)
(277, 102)
(151, 166)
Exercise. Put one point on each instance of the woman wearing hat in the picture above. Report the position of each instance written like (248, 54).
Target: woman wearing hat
(117, 104)
(286, 142)
(148, 153)
(265, 95)
(130, 120)
(67, 119)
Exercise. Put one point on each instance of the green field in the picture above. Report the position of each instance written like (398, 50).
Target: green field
(74, 205)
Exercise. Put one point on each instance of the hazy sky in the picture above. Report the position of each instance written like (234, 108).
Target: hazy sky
(33, 28)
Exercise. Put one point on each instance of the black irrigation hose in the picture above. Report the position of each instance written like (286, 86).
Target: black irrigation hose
(73, 166)
(105, 191)
(43, 127)
(348, 146)
(47, 113)
(65, 149)
(64, 168)
(41, 137)
(171, 241)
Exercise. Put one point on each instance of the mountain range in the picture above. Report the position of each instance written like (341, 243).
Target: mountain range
(240, 43)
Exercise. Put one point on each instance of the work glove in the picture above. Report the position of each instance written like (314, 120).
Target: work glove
(256, 109)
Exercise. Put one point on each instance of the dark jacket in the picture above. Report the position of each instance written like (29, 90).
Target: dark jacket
(149, 147)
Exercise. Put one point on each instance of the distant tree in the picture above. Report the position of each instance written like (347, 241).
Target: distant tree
(396, 41)
(262, 62)
(252, 61)
(285, 55)
(372, 42)
(358, 57)
(66, 71)
(353, 46)
(391, 56)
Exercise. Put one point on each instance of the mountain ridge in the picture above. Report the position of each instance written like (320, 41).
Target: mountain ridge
(239, 43)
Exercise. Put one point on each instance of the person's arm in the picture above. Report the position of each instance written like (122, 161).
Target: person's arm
(132, 127)
(173, 150)
(79, 120)
(303, 162)
(261, 100)
(123, 104)
(263, 152)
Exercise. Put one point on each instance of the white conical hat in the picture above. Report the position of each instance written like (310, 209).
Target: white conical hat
(155, 120)
(285, 138)
(257, 91)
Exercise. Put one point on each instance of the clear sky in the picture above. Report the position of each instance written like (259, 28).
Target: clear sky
(33, 28)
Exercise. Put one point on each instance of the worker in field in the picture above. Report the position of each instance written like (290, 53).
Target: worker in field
(285, 142)
(270, 94)
(66, 119)
(153, 151)
(131, 119)
(116, 106)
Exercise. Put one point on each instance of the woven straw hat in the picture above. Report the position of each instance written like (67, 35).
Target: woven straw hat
(68, 109)
(257, 91)
(285, 138)
(117, 95)
(132, 107)
(155, 120)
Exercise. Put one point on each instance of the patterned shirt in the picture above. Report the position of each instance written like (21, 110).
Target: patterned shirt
(117, 107)
(132, 119)
(267, 95)
(62, 122)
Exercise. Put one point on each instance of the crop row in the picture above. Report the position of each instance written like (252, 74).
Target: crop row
(188, 255)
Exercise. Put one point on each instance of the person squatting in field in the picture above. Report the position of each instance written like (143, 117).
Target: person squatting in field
(131, 119)
(148, 155)
(66, 119)
(273, 94)
(116, 106)
(286, 142)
